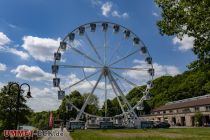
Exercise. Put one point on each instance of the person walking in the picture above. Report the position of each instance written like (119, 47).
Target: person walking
(62, 125)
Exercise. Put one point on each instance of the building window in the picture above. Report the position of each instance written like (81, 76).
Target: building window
(179, 110)
(165, 119)
(197, 109)
(208, 108)
(171, 111)
(157, 112)
(186, 110)
(164, 112)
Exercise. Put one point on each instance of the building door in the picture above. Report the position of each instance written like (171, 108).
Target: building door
(173, 121)
(207, 120)
(193, 121)
(182, 121)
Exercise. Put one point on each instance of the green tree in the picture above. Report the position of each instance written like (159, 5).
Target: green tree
(191, 18)
(93, 99)
(40, 120)
(93, 104)
(135, 95)
(198, 118)
(8, 108)
(113, 108)
(78, 100)
(186, 85)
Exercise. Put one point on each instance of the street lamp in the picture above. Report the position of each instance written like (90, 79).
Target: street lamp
(18, 99)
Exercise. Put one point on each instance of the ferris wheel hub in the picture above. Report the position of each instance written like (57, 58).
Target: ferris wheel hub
(105, 70)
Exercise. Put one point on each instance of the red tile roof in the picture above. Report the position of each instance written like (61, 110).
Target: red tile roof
(184, 104)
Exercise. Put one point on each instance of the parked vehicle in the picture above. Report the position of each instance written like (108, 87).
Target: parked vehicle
(161, 125)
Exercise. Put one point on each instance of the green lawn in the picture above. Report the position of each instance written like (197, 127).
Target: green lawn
(143, 134)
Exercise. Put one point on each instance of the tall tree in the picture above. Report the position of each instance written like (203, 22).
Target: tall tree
(93, 104)
(77, 99)
(40, 120)
(191, 18)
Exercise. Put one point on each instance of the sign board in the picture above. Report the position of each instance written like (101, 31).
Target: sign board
(147, 124)
(106, 125)
(76, 125)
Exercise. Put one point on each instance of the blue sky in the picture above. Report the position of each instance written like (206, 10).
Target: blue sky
(30, 32)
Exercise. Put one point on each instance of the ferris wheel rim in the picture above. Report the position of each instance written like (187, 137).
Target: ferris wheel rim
(98, 22)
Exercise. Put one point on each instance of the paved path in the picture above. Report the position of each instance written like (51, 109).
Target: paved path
(65, 137)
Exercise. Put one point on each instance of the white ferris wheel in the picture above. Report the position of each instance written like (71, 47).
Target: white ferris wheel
(104, 59)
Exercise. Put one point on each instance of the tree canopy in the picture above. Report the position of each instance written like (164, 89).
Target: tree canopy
(186, 85)
(8, 108)
(191, 18)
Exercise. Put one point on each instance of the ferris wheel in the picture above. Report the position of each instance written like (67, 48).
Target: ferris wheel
(104, 59)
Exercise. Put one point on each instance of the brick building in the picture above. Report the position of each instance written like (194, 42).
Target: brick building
(182, 112)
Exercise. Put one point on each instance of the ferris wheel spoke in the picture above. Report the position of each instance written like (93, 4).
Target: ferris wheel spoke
(136, 69)
(105, 86)
(123, 58)
(111, 78)
(114, 52)
(88, 98)
(138, 103)
(93, 47)
(116, 94)
(123, 78)
(83, 54)
(74, 66)
(81, 80)
(105, 47)
(70, 102)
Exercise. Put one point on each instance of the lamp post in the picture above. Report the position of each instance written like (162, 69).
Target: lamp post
(18, 99)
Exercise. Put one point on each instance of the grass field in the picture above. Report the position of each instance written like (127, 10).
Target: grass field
(143, 134)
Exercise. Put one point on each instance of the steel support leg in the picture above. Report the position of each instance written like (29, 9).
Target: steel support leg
(88, 98)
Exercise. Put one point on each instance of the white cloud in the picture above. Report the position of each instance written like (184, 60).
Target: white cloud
(3, 67)
(185, 44)
(76, 43)
(41, 49)
(117, 14)
(23, 55)
(86, 86)
(12, 26)
(89, 69)
(169, 70)
(160, 70)
(4, 39)
(96, 2)
(32, 73)
(2, 85)
(44, 99)
(155, 14)
(109, 8)
(106, 8)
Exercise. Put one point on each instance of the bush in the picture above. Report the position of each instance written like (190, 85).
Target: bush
(198, 118)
